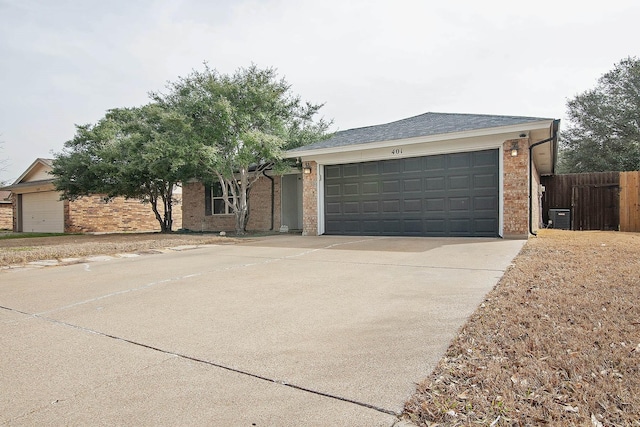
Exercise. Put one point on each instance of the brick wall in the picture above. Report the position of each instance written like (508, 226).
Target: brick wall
(194, 218)
(310, 201)
(91, 214)
(260, 205)
(6, 216)
(516, 189)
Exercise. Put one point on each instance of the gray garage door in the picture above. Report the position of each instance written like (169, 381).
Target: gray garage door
(444, 195)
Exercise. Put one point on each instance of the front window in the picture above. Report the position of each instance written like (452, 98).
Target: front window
(214, 201)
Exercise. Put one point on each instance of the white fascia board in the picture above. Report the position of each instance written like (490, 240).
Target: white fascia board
(504, 132)
(400, 151)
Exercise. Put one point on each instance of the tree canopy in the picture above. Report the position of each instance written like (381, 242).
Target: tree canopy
(249, 119)
(604, 134)
(141, 152)
(208, 126)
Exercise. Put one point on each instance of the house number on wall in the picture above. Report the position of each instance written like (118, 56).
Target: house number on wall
(396, 151)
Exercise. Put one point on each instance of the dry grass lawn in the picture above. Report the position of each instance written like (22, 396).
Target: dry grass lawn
(24, 250)
(556, 343)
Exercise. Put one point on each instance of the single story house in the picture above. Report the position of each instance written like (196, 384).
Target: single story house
(37, 207)
(435, 174)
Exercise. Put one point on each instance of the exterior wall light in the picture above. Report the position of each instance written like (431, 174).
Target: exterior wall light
(514, 149)
(307, 168)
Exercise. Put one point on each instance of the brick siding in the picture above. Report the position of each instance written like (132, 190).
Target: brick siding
(310, 201)
(193, 208)
(91, 214)
(6, 216)
(516, 189)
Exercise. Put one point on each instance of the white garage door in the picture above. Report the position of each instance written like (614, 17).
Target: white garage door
(42, 213)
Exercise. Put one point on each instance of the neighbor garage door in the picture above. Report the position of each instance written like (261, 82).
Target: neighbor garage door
(42, 212)
(443, 195)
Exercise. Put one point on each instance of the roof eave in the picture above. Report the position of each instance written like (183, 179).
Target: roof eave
(28, 184)
(523, 127)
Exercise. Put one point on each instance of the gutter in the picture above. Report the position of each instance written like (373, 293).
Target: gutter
(556, 125)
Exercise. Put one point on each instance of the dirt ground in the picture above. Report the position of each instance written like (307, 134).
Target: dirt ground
(557, 342)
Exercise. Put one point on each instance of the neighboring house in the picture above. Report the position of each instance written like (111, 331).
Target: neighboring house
(6, 210)
(37, 208)
(430, 175)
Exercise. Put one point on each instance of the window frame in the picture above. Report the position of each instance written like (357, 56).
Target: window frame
(212, 194)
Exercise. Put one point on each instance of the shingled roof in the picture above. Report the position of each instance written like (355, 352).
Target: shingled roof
(427, 124)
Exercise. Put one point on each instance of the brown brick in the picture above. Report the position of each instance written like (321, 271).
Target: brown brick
(516, 189)
(193, 209)
(6, 216)
(310, 201)
(92, 214)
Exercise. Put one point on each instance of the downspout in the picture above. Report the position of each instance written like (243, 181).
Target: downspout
(531, 147)
(264, 172)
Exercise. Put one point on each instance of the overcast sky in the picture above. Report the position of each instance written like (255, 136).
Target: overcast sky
(66, 62)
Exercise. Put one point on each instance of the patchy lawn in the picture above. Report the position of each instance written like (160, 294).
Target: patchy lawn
(556, 343)
(16, 251)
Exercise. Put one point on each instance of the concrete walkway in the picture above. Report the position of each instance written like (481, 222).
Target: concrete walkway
(276, 331)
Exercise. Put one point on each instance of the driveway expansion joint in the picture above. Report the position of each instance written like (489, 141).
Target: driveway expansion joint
(202, 361)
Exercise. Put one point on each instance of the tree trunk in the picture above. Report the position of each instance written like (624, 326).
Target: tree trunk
(168, 209)
(242, 211)
(165, 220)
(154, 206)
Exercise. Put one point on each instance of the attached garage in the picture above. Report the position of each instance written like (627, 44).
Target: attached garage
(443, 195)
(435, 174)
(41, 212)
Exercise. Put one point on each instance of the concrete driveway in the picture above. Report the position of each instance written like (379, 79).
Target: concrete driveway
(275, 331)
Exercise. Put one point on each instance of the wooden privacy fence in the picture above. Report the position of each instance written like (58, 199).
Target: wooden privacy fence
(630, 201)
(596, 201)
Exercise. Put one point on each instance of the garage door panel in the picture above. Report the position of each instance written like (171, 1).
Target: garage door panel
(370, 226)
(412, 205)
(459, 161)
(352, 189)
(460, 226)
(435, 163)
(485, 181)
(459, 204)
(435, 205)
(370, 188)
(369, 169)
(460, 182)
(350, 171)
(485, 225)
(483, 158)
(370, 207)
(351, 208)
(414, 165)
(412, 185)
(332, 171)
(485, 203)
(434, 183)
(444, 195)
